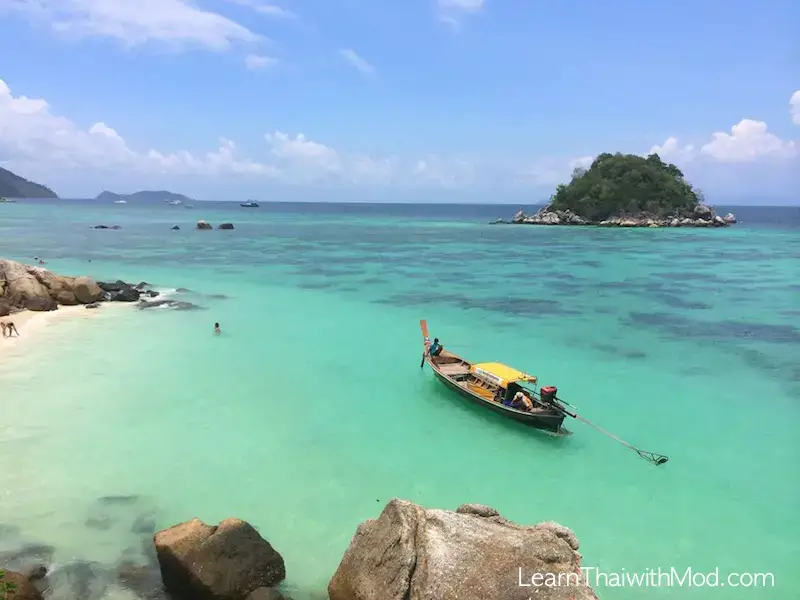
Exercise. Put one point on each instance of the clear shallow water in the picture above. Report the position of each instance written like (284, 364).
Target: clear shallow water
(310, 412)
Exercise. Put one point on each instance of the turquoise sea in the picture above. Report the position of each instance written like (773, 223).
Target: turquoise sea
(310, 412)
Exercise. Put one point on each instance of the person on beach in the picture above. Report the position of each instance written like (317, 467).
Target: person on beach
(216, 329)
(3, 327)
(9, 328)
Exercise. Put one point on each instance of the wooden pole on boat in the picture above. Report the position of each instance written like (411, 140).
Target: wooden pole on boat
(423, 325)
(653, 457)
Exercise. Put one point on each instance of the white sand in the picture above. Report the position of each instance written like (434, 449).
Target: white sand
(31, 323)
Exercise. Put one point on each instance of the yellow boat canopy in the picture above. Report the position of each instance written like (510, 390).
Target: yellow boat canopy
(500, 374)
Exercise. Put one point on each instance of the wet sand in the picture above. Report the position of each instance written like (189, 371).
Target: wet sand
(31, 323)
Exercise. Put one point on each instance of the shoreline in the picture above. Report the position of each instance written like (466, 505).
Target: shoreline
(31, 324)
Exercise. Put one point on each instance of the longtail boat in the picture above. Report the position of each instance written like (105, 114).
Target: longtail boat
(495, 385)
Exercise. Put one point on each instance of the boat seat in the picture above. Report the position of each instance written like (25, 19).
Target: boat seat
(454, 369)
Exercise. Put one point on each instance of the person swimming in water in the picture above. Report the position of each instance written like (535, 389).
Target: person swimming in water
(216, 328)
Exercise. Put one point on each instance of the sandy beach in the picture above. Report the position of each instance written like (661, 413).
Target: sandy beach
(31, 324)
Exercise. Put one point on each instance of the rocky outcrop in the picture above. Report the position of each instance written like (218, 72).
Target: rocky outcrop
(701, 216)
(22, 587)
(230, 561)
(119, 291)
(34, 288)
(226, 226)
(204, 225)
(413, 553)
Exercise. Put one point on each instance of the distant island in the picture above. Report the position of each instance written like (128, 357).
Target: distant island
(14, 186)
(143, 196)
(627, 190)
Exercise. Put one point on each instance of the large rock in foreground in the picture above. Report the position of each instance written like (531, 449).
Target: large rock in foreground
(226, 562)
(33, 288)
(23, 589)
(412, 553)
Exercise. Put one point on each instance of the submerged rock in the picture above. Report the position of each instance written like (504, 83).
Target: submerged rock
(175, 228)
(171, 304)
(226, 226)
(143, 580)
(413, 553)
(78, 580)
(204, 225)
(224, 562)
(26, 556)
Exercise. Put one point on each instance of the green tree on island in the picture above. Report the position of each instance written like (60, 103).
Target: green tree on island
(626, 185)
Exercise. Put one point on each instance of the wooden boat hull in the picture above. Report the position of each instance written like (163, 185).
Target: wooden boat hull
(550, 422)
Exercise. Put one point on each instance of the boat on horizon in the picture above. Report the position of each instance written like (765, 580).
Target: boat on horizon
(173, 202)
(120, 201)
(249, 204)
(494, 385)
(7, 200)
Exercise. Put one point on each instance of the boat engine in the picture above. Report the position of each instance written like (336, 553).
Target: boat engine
(548, 393)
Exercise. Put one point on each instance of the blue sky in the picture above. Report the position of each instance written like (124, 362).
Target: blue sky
(426, 100)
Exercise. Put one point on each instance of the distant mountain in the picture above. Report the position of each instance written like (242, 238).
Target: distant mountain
(143, 196)
(14, 186)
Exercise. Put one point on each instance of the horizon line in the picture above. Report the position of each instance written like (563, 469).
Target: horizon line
(409, 203)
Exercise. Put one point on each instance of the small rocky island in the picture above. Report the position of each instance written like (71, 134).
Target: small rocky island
(626, 190)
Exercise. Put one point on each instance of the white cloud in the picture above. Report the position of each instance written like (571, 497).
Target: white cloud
(34, 138)
(357, 62)
(451, 11)
(135, 22)
(747, 141)
(270, 10)
(304, 151)
(444, 172)
(794, 103)
(308, 161)
(584, 162)
(467, 6)
(30, 134)
(672, 151)
(551, 171)
(255, 62)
